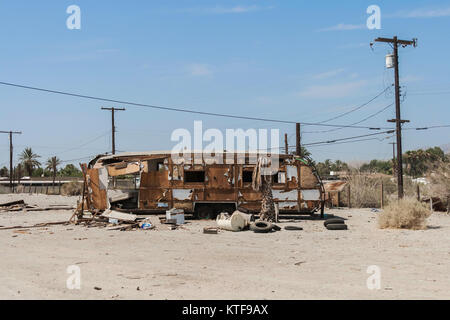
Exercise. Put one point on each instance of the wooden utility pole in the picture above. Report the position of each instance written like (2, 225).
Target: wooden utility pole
(393, 159)
(398, 121)
(286, 145)
(11, 167)
(113, 127)
(298, 149)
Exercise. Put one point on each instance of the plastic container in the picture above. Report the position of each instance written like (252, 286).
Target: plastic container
(234, 223)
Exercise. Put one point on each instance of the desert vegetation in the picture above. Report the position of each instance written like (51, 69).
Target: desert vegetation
(407, 213)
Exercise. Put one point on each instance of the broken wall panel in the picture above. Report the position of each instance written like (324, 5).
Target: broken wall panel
(97, 188)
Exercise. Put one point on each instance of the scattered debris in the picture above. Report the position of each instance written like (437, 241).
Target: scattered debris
(210, 230)
(126, 217)
(20, 205)
(293, 228)
(12, 203)
(40, 225)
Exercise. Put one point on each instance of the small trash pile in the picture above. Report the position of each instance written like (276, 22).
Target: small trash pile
(20, 205)
(115, 220)
(240, 221)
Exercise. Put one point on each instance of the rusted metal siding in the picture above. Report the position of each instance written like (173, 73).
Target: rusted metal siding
(297, 189)
(96, 189)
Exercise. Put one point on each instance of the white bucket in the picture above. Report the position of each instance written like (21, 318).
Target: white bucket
(172, 213)
(234, 223)
(180, 218)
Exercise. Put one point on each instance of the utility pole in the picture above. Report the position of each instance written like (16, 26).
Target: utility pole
(394, 166)
(398, 121)
(298, 140)
(286, 145)
(11, 167)
(113, 127)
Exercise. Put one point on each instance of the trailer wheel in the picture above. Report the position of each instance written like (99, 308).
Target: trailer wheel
(339, 226)
(261, 227)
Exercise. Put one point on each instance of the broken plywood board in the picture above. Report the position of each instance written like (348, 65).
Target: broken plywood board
(119, 215)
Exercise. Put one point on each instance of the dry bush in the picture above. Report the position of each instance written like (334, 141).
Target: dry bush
(439, 186)
(366, 189)
(408, 213)
(72, 189)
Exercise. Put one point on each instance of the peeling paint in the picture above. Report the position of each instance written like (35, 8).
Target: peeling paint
(287, 205)
(291, 172)
(311, 195)
(182, 194)
(285, 195)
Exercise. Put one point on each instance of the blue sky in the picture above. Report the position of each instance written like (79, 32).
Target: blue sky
(304, 61)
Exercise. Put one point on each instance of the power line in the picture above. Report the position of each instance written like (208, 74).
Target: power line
(349, 138)
(82, 145)
(358, 122)
(427, 128)
(346, 142)
(356, 108)
(329, 142)
(177, 109)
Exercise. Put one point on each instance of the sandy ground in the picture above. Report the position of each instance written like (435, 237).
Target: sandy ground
(186, 264)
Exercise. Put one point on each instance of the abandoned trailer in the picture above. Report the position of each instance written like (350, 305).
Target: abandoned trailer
(152, 182)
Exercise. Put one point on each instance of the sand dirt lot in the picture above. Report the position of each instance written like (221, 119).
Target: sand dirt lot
(186, 264)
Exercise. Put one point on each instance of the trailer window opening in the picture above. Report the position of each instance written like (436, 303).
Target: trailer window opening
(194, 176)
(247, 176)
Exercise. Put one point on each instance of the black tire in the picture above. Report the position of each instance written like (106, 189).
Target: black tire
(293, 228)
(334, 221)
(339, 226)
(276, 228)
(261, 227)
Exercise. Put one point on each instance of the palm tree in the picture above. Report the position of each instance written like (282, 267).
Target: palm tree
(29, 160)
(52, 165)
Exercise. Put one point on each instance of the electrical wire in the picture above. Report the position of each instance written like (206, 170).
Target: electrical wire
(176, 109)
(348, 138)
(356, 108)
(358, 122)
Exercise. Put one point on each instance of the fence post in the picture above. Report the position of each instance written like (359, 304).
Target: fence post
(349, 197)
(431, 204)
(418, 192)
(382, 195)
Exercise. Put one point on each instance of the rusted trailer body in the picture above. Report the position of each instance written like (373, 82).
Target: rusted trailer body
(155, 183)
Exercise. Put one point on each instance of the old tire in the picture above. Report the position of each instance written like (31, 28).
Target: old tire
(338, 226)
(293, 228)
(334, 221)
(276, 228)
(261, 227)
